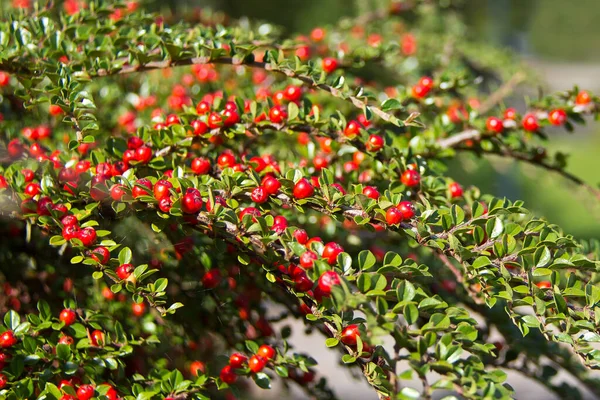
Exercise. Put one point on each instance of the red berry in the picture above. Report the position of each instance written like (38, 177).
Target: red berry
(203, 108)
(138, 189)
(165, 204)
(557, 117)
(303, 189)
(419, 91)
(231, 117)
(200, 166)
(307, 259)
(3, 378)
(494, 124)
(407, 209)
(375, 143)
(143, 154)
(226, 160)
(331, 251)
(172, 119)
(124, 271)
(301, 236)
(162, 189)
(277, 114)
(191, 202)
(317, 34)
(292, 93)
(134, 142)
(266, 351)
(510, 113)
(211, 278)
(410, 178)
(68, 316)
(259, 195)
(329, 64)
(393, 216)
(7, 339)
(544, 285)
(101, 255)
(117, 192)
(271, 184)
(426, 82)
(302, 282)
(87, 236)
(455, 190)
(215, 120)
(583, 98)
(228, 375)
(237, 360)
(97, 338)
(44, 205)
(352, 129)
(65, 339)
(371, 192)
(199, 127)
(4, 78)
(32, 189)
(327, 280)
(70, 232)
(85, 392)
(197, 368)
(530, 123)
(350, 335)
(257, 363)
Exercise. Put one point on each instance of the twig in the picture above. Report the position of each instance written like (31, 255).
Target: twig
(507, 88)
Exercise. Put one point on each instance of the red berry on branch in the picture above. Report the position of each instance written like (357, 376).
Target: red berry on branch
(87, 236)
(410, 178)
(3, 378)
(327, 281)
(375, 143)
(544, 285)
(329, 64)
(266, 351)
(530, 123)
(226, 160)
(143, 154)
(510, 113)
(350, 335)
(426, 82)
(124, 271)
(117, 192)
(68, 316)
(139, 188)
(257, 363)
(259, 195)
(455, 190)
(215, 120)
(197, 368)
(331, 251)
(228, 375)
(277, 114)
(393, 216)
(100, 255)
(162, 189)
(303, 189)
(317, 34)
(32, 189)
(407, 209)
(7, 339)
(352, 129)
(271, 184)
(97, 338)
(301, 236)
(307, 259)
(237, 360)
(583, 98)
(85, 392)
(557, 117)
(191, 203)
(419, 91)
(494, 125)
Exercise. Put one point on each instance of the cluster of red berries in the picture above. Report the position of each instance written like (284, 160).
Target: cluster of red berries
(256, 363)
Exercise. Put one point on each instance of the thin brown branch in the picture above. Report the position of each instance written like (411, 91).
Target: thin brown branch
(506, 89)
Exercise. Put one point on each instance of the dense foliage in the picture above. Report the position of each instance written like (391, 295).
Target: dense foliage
(173, 193)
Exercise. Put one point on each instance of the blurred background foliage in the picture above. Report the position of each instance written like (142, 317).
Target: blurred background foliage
(552, 35)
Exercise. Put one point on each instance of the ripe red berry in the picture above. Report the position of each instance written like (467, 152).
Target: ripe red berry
(257, 363)
(583, 98)
(100, 255)
(557, 117)
(32, 189)
(162, 189)
(172, 119)
(494, 124)
(66, 339)
(426, 82)
(266, 351)
(231, 117)
(271, 184)
(317, 34)
(215, 120)
(85, 392)
(199, 127)
(419, 91)
(307, 259)
(69, 220)
(350, 335)
(331, 251)
(302, 282)
(292, 93)
(3, 182)
(410, 178)
(197, 368)
(237, 360)
(352, 129)
(303, 189)
(203, 108)
(4, 78)
(211, 278)
(254, 212)
(301, 236)
(138, 189)
(97, 338)
(407, 209)
(3, 378)
(143, 154)
(7, 339)
(393, 216)
(226, 160)
(259, 195)
(371, 192)
(228, 375)
(277, 114)
(455, 190)
(329, 64)
(544, 284)
(530, 123)
(510, 113)
(191, 202)
(70, 232)
(327, 280)
(375, 143)
(87, 236)
(124, 271)
(117, 192)
(200, 166)
(4, 359)
(68, 316)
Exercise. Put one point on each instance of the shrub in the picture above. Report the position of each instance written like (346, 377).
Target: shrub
(174, 193)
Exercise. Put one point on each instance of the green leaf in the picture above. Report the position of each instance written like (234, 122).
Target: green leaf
(542, 257)
(125, 255)
(262, 380)
(331, 342)
(366, 260)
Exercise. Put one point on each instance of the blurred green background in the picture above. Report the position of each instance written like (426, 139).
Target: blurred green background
(560, 39)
